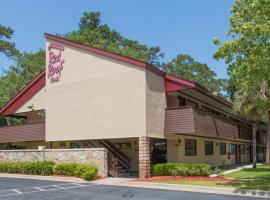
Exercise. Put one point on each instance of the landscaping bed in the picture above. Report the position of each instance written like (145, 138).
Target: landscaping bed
(254, 179)
(48, 168)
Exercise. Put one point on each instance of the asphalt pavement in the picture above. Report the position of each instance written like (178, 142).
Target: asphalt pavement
(27, 189)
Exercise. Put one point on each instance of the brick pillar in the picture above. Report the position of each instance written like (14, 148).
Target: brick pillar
(144, 157)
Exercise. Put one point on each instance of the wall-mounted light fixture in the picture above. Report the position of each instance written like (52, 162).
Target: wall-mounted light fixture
(216, 144)
(179, 141)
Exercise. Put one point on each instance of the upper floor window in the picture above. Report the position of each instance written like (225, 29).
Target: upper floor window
(182, 101)
(205, 108)
(192, 103)
(208, 146)
(190, 147)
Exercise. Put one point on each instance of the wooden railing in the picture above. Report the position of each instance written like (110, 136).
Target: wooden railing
(22, 133)
(190, 120)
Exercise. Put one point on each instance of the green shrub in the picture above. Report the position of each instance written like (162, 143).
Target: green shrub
(86, 172)
(164, 169)
(179, 169)
(218, 171)
(11, 167)
(66, 169)
(89, 174)
(43, 168)
(200, 170)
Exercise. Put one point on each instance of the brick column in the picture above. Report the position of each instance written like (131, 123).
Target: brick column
(144, 157)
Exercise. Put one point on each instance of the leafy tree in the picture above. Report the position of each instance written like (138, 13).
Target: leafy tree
(247, 53)
(7, 47)
(185, 66)
(27, 66)
(91, 32)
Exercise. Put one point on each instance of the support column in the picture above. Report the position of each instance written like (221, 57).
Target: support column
(144, 157)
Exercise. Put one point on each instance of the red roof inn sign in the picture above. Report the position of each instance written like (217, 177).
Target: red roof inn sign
(56, 62)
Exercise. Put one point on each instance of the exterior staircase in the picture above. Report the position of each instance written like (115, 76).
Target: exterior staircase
(118, 162)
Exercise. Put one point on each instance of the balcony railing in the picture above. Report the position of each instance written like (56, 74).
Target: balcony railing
(190, 120)
(22, 133)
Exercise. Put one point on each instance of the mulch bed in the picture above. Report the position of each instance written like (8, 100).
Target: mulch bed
(176, 178)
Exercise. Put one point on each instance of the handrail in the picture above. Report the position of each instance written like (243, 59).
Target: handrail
(124, 159)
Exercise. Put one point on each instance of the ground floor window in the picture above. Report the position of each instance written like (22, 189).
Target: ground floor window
(242, 149)
(123, 145)
(232, 149)
(190, 147)
(208, 146)
(222, 148)
(158, 151)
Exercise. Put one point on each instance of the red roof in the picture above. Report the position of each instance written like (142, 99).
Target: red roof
(172, 82)
(24, 95)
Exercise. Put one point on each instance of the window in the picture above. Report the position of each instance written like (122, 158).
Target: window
(126, 145)
(205, 108)
(192, 103)
(222, 148)
(62, 145)
(190, 147)
(232, 149)
(182, 101)
(208, 146)
(242, 149)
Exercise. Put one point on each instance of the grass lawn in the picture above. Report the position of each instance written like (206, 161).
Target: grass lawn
(257, 179)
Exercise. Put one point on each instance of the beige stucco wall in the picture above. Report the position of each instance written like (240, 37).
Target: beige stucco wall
(155, 105)
(96, 98)
(176, 151)
(37, 102)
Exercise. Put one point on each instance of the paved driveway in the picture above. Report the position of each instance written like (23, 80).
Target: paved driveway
(25, 189)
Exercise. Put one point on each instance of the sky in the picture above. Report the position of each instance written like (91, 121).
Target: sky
(176, 26)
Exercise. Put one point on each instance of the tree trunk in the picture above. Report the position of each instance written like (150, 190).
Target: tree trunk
(268, 140)
(254, 131)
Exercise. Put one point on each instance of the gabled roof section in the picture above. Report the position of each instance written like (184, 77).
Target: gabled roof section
(24, 95)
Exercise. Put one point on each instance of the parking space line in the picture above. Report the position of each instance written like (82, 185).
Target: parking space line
(40, 189)
(17, 191)
(63, 186)
(58, 186)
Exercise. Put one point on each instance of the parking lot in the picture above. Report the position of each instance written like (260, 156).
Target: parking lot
(24, 189)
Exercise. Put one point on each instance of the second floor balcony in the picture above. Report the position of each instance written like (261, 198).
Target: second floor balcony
(194, 121)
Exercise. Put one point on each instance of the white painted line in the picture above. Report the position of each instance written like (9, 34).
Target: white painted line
(40, 189)
(17, 191)
(58, 186)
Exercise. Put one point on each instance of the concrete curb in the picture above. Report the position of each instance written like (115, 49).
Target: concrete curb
(183, 188)
(202, 189)
(47, 178)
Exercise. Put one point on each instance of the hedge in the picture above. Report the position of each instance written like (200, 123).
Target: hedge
(43, 168)
(179, 169)
(66, 169)
(84, 171)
